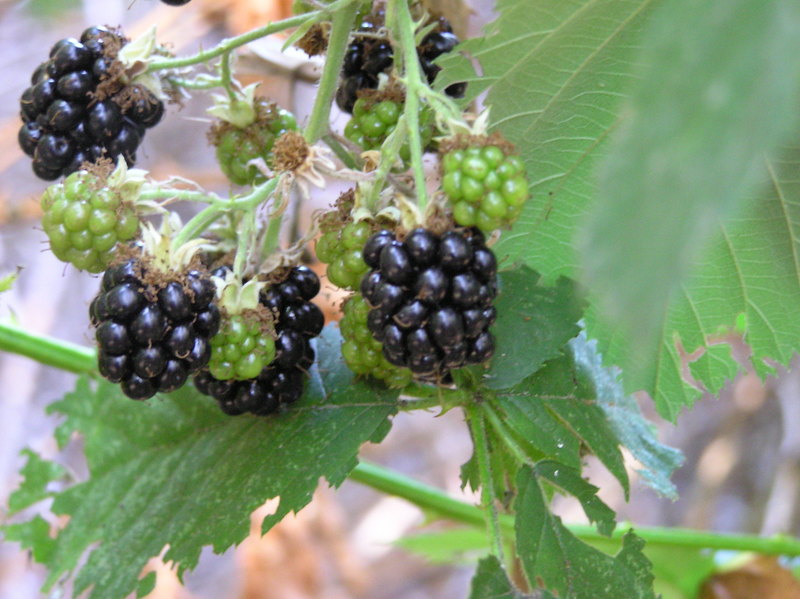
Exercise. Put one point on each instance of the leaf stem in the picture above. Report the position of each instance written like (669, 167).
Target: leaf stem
(477, 427)
(186, 195)
(47, 350)
(405, 29)
(233, 43)
(341, 24)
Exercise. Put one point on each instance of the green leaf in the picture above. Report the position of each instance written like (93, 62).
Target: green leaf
(491, 582)
(33, 535)
(625, 418)
(7, 282)
(533, 324)
(38, 474)
(451, 546)
(553, 556)
(176, 471)
(554, 412)
(750, 268)
(690, 148)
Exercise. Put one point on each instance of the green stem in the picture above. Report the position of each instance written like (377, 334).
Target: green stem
(225, 76)
(341, 152)
(196, 225)
(413, 81)
(341, 25)
(233, 43)
(178, 194)
(272, 237)
(431, 499)
(389, 152)
(477, 426)
(47, 350)
(204, 83)
(82, 360)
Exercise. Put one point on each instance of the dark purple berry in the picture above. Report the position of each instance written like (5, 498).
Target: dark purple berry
(207, 322)
(174, 301)
(446, 327)
(412, 315)
(149, 361)
(465, 290)
(42, 94)
(482, 349)
(422, 246)
(395, 263)
(71, 56)
(114, 368)
(113, 338)
(179, 341)
(173, 377)
(104, 121)
(306, 280)
(149, 325)
(431, 285)
(374, 246)
(124, 301)
(54, 150)
(484, 264)
(75, 85)
(455, 252)
(137, 387)
(28, 137)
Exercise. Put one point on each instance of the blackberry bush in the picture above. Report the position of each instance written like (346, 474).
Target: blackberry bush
(430, 299)
(79, 107)
(238, 145)
(485, 182)
(90, 213)
(281, 381)
(153, 328)
(362, 353)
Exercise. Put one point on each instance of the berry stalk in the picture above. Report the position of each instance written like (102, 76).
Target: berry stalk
(47, 350)
(404, 26)
(341, 25)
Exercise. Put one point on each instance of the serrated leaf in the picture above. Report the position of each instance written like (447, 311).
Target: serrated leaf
(555, 412)
(750, 268)
(38, 474)
(534, 321)
(553, 556)
(33, 535)
(176, 471)
(625, 418)
(689, 149)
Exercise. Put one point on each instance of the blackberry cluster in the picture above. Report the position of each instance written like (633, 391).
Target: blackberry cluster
(281, 381)
(236, 147)
(373, 122)
(240, 350)
(362, 353)
(84, 221)
(340, 248)
(65, 123)
(366, 58)
(431, 299)
(152, 342)
(486, 186)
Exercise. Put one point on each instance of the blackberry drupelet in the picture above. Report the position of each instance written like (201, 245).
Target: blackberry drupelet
(281, 381)
(430, 299)
(77, 110)
(152, 337)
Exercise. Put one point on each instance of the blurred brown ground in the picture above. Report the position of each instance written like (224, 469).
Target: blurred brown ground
(741, 472)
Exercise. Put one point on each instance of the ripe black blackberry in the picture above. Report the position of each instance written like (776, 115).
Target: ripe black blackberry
(367, 57)
(152, 336)
(281, 381)
(430, 299)
(77, 110)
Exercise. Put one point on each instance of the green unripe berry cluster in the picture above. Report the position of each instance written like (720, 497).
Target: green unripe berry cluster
(237, 147)
(362, 353)
(373, 122)
(240, 350)
(486, 187)
(84, 223)
(340, 249)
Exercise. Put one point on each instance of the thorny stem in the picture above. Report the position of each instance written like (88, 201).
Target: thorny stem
(234, 42)
(341, 25)
(405, 29)
(187, 195)
(477, 427)
(82, 360)
(225, 76)
(197, 83)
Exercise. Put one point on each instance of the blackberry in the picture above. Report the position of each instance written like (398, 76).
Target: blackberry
(485, 182)
(176, 2)
(88, 214)
(77, 110)
(430, 299)
(361, 352)
(241, 349)
(373, 121)
(151, 337)
(237, 147)
(281, 381)
(367, 57)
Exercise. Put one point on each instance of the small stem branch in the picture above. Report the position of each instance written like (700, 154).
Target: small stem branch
(233, 43)
(179, 194)
(477, 427)
(405, 32)
(341, 152)
(272, 237)
(198, 223)
(225, 76)
(47, 350)
(389, 152)
(341, 25)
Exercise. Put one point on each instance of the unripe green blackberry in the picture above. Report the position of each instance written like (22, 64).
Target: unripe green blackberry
(362, 353)
(373, 121)
(87, 215)
(485, 183)
(241, 348)
(340, 249)
(238, 146)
